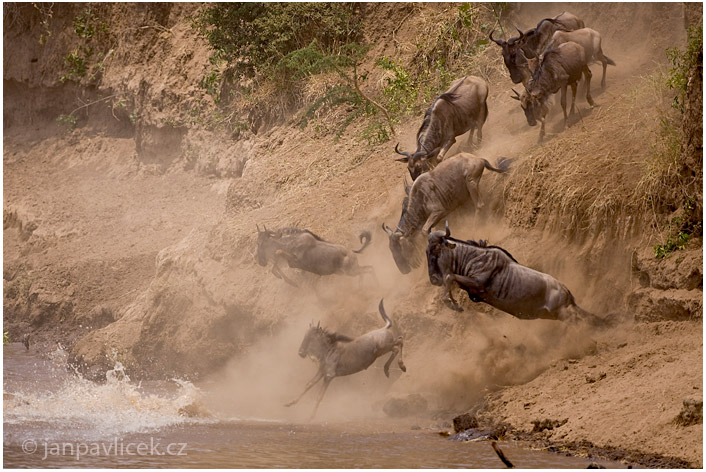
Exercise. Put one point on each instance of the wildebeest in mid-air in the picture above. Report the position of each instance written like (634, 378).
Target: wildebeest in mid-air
(491, 275)
(432, 197)
(462, 108)
(339, 355)
(302, 249)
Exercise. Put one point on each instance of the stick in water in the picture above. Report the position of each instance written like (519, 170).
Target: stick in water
(502, 457)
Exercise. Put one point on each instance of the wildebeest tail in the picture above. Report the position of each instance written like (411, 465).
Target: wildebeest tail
(502, 166)
(365, 238)
(384, 315)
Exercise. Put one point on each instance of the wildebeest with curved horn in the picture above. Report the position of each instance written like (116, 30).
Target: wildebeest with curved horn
(532, 43)
(558, 69)
(461, 108)
(590, 41)
(432, 197)
(304, 250)
(339, 355)
(491, 275)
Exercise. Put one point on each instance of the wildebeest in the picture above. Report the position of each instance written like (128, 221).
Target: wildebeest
(491, 275)
(532, 43)
(462, 108)
(590, 40)
(558, 69)
(304, 250)
(432, 197)
(339, 355)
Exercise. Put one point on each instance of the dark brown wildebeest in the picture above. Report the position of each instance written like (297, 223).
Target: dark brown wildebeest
(490, 274)
(590, 41)
(339, 355)
(432, 197)
(462, 108)
(558, 69)
(532, 43)
(304, 250)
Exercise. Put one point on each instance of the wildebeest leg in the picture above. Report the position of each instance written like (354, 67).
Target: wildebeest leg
(587, 74)
(311, 383)
(433, 219)
(448, 298)
(445, 149)
(396, 349)
(541, 130)
(327, 380)
(563, 103)
(474, 191)
(400, 361)
(574, 86)
(280, 275)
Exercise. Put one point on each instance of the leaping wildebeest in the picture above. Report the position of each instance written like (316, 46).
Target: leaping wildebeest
(339, 355)
(532, 43)
(491, 275)
(590, 41)
(559, 68)
(432, 197)
(461, 108)
(302, 249)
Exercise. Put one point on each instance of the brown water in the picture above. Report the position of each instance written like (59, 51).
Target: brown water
(53, 418)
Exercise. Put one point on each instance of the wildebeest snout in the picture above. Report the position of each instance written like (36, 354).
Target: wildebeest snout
(435, 279)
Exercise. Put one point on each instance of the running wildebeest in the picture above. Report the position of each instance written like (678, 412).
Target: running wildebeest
(432, 197)
(590, 41)
(490, 274)
(304, 250)
(339, 355)
(532, 43)
(558, 69)
(462, 108)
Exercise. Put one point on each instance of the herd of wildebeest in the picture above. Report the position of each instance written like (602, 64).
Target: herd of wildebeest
(545, 59)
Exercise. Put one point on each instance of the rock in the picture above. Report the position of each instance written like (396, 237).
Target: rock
(595, 378)
(680, 270)
(547, 424)
(412, 404)
(472, 435)
(464, 422)
(659, 305)
(692, 413)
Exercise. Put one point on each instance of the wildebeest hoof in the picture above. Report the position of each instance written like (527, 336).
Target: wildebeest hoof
(403, 368)
(453, 305)
(289, 403)
(387, 372)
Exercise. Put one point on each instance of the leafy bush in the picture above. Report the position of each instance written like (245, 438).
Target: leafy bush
(254, 37)
(683, 61)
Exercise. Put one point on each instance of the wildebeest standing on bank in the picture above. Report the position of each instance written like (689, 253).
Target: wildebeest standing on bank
(339, 355)
(462, 108)
(491, 275)
(558, 69)
(432, 197)
(532, 43)
(590, 41)
(304, 250)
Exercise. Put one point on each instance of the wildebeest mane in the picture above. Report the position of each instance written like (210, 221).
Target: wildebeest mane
(482, 244)
(292, 230)
(332, 336)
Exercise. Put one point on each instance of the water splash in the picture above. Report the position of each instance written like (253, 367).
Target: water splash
(97, 411)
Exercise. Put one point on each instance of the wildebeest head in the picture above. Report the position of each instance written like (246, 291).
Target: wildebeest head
(417, 163)
(437, 243)
(313, 344)
(402, 248)
(511, 50)
(264, 246)
(534, 104)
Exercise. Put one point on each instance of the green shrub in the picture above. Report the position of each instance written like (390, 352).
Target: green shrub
(683, 61)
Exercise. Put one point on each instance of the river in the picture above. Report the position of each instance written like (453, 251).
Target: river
(54, 418)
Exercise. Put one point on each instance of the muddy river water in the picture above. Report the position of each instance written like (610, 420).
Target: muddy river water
(54, 418)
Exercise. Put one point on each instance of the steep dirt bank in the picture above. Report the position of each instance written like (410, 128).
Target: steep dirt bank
(142, 237)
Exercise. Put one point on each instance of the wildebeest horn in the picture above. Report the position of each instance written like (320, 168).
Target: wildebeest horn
(516, 96)
(387, 229)
(519, 31)
(448, 231)
(258, 228)
(402, 153)
(499, 42)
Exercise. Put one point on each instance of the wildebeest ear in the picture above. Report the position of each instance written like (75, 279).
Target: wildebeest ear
(402, 159)
(448, 231)
(516, 96)
(449, 244)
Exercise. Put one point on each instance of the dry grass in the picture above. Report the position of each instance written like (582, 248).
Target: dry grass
(604, 178)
